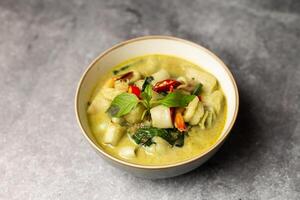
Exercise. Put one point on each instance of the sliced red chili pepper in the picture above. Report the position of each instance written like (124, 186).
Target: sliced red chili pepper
(134, 90)
(171, 88)
(166, 85)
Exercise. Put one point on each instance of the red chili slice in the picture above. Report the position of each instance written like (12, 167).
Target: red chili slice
(166, 85)
(134, 90)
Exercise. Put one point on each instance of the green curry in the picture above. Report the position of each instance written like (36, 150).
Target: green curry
(157, 109)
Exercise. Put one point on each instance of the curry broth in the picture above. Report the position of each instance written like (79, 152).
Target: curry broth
(197, 141)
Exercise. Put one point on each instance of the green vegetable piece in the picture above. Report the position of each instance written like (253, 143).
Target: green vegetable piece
(197, 89)
(144, 136)
(147, 82)
(176, 99)
(122, 104)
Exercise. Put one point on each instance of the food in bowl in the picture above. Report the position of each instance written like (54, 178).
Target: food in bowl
(157, 109)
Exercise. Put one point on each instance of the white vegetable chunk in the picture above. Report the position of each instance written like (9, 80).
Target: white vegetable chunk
(198, 114)
(161, 117)
(98, 104)
(190, 109)
(160, 76)
(113, 134)
(159, 147)
(135, 115)
(127, 152)
(209, 82)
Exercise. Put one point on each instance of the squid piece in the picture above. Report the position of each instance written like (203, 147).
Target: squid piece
(215, 100)
(198, 114)
(209, 119)
(190, 109)
(202, 121)
(161, 117)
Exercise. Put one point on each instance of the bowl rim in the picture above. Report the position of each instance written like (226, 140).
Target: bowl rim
(172, 165)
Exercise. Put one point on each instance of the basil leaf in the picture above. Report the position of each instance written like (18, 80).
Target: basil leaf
(147, 94)
(122, 104)
(176, 99)
(197, 89)
(180, 140)
(147, 82)
(144, 136)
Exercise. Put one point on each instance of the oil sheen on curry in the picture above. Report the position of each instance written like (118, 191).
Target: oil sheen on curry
(156, 110)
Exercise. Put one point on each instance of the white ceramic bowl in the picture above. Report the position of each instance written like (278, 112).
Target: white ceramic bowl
(156, 45)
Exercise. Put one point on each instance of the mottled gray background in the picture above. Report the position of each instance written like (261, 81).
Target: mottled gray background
(46, 45)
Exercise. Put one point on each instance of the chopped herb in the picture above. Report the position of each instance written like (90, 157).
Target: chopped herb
(176, 99)
(147, 81)
(122, 104)
(144, 136)
(197, 89)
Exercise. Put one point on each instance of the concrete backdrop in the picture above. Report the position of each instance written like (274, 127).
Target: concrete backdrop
(46, 45)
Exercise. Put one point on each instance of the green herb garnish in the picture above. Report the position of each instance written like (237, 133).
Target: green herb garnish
(147, 82)
(122, 104)
(176, 99)
(197, 89)
(144, 136)
(147, 96)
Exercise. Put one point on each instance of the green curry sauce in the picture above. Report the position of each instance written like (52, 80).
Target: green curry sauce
(197, 138)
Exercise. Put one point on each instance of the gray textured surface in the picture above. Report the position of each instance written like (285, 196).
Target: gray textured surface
(46, 45)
